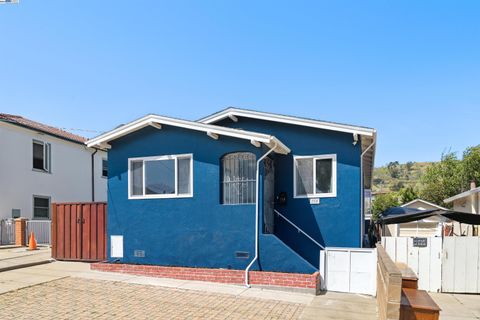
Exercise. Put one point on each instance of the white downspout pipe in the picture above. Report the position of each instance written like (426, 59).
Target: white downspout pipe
(362, 196)
(257, 213)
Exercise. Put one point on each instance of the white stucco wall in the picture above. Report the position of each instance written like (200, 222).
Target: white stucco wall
(69, 180)
(468, 204)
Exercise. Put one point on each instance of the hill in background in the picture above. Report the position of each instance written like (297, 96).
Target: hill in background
(395, 176)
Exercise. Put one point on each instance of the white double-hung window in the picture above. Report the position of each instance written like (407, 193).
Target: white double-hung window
(160, 177)
(315, 176)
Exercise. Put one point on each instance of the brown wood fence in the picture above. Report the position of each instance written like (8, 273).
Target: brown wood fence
(79, 231)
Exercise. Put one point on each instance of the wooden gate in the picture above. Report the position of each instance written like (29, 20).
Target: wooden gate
(79, 231)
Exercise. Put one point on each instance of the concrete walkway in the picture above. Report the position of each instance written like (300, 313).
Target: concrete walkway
(340, 306)
(12, 257)
(458, 306)
(328, 306)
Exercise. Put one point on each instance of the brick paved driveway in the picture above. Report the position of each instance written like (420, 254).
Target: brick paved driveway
(76, 298)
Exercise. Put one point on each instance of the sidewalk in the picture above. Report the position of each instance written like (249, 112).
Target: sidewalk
(458, 306)
(17, 279)
(328, 306)
(12, 257)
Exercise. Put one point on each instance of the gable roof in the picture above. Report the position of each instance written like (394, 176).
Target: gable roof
(327, 125)
(368, 141)
(462, 195)
(424, 202)
(37, 126)
(213, 131)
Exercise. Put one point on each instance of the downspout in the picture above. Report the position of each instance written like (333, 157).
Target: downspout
(257, 213)
(93, 174)
(362, 190)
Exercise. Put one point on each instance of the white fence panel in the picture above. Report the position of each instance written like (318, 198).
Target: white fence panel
(42, 230)
(7, 231)
(460, 265)
(426, 262)
(350, 270)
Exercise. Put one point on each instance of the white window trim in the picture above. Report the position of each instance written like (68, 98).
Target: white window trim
(101, 169)
(161, 196)
(47, 154)
(332, 194)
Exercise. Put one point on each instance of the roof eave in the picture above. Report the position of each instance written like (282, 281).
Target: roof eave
(148, 120)
(287, 119)
(462, 195)
(43, 132)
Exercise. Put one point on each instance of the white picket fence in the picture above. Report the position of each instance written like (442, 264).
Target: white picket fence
(450, 264)
(42, 230)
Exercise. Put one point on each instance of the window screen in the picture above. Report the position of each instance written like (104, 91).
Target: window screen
(41, 207)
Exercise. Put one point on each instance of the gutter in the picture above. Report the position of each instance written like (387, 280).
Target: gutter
(93, 174)
(257, 212)
(362, 190)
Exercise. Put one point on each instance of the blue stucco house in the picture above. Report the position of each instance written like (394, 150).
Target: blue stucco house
(239, 189)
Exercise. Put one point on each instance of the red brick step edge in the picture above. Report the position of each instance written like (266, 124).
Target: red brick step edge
(277, 279)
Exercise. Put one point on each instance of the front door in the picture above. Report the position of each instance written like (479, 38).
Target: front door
(268, 196)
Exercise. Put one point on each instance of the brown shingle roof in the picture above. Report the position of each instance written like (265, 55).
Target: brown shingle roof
(30, 124)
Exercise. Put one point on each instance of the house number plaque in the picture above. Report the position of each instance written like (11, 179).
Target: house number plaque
(420, 242)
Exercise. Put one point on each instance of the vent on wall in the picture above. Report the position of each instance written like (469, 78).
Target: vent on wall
(139, 253)
(241, 254)
(15, 213)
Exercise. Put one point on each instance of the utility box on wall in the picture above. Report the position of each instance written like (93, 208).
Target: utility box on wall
(116, 246)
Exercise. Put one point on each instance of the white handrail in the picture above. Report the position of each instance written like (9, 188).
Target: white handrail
(299, 230)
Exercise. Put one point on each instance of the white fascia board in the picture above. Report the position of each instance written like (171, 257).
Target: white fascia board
(287, 119)
(149, 119)
(462, 195)
(425, 202)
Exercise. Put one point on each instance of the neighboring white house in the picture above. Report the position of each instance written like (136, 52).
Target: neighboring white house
(429, 227)
(468, 201)
(40, 164)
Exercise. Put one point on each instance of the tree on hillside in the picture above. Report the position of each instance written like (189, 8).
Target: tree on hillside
(407, 194)
(471, 165)
(394, 169)
(443, 179)
(383, 202)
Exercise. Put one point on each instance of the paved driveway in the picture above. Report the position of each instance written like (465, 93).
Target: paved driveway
(77, 298)
(69, 290)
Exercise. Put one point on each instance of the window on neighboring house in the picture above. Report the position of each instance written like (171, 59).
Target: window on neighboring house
(315, 176)
(41, 207)
(104, 168)
(238, 178)
(161, 177)
(42, 156)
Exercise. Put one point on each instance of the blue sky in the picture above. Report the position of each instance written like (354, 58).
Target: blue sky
(410, 69)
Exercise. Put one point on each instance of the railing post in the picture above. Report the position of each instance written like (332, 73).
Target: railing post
(20, 229)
